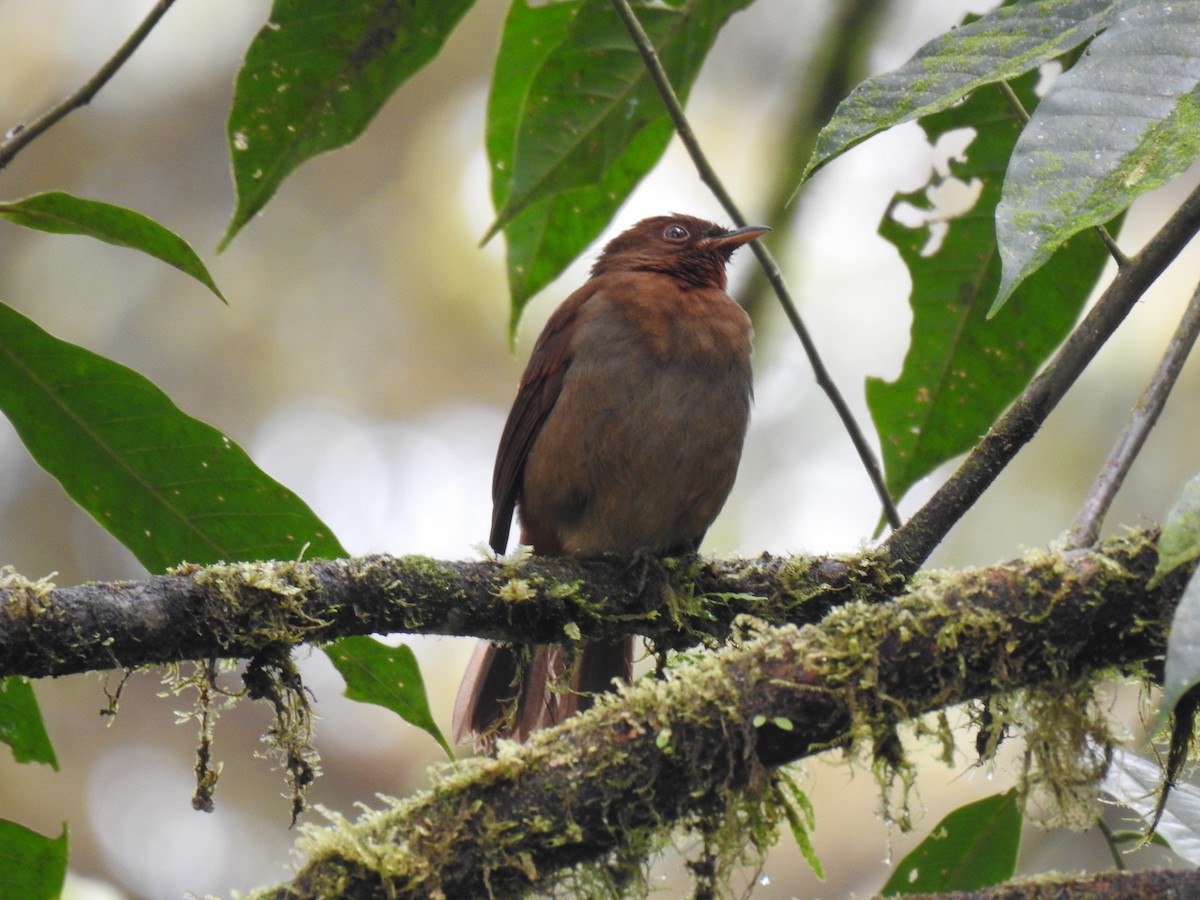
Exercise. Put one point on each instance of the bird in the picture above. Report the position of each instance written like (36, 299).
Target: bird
(624, 440)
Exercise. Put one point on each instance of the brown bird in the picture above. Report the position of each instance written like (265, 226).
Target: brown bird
(624, 440)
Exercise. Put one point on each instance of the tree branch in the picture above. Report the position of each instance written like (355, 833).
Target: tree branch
(911, 545)
(685, 751)
(1086, 527)
(240, 609)
(21, 135)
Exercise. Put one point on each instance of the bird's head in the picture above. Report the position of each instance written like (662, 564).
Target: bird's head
(688, 248)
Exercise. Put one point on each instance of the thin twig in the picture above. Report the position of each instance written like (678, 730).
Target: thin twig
(911, 545)
(1086, 527)
(21, 135)
(774, 276)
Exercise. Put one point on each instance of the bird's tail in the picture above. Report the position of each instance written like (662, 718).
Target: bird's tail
(506, 694)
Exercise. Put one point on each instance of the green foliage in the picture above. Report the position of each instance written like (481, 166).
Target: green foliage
(315, 77)
(1002, 45)
(388, 677)
(973, 847)
(168, 486)
(574, 122)
(61, 213)
(32, 867)
(963, 369)
(1092, 146)
(21, 725)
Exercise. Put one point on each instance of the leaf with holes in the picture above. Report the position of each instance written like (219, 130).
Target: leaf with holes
(999, 46)
(962, 370)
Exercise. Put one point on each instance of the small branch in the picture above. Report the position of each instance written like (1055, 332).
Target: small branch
(20, 136)
(709, 176)
(666, 753)
(1086, 527)
(911, 545)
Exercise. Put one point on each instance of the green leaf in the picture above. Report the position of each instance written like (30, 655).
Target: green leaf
(574, 122)
(1181, 670)
(1180, 539)
(962, 370)
(167, 486)
(32, 867)
(971, 848)
(60, 213)
(1001, 45)
(21, 725)
(388, 677)
(314, 78)
(1123, 120)
(798, 811)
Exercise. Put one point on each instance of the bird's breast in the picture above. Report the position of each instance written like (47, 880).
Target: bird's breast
(672, 322)
(642, 445)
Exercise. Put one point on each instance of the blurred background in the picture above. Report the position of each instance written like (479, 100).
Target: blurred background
(363, 361)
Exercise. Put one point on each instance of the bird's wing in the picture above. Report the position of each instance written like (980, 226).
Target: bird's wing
(539, 390)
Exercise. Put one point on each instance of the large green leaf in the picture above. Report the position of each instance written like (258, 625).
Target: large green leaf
(574, 121)
(167, 486)
(973, 847)
(388, 677)
(1123, 120)
(32, 867)
(962, 370)
(21, 725)
(315, 76)
(1000, 46)
(60, 213)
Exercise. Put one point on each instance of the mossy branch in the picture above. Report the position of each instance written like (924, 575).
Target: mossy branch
(239, 609)
(671, 753)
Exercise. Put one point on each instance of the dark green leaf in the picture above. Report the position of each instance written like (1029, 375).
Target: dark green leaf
(32, 867)
(315, 76)
(60, 213)
(388, 677)
(971, 848)
(169, 487)
(962, 370)
(574, 122)
(1123, 120)
(999, 46)
(21, 725)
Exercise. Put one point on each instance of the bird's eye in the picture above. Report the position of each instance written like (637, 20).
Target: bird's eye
(676, 233)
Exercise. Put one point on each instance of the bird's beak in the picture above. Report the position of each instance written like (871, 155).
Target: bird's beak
(737, 237)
